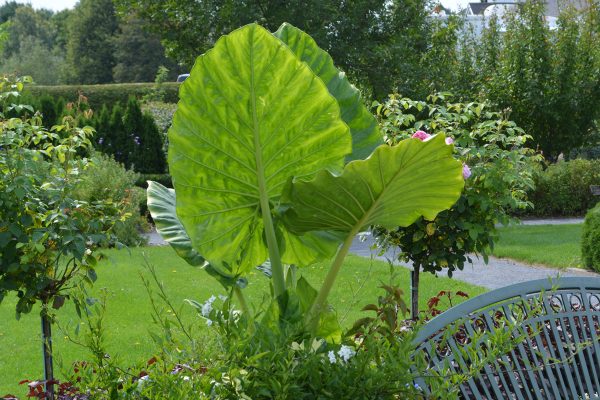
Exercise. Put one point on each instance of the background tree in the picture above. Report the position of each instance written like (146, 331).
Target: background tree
(376, 41)
(90, 46)
(138, 53)
(546, 77)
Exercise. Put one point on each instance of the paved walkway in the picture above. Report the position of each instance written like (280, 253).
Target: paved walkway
(497, 273)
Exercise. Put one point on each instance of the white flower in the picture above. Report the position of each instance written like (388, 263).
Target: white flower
(88, 252)
(186, 378)
(209, 322)
(331, 356)
(206, 309)
(142, 381)
(207, 306)
(346, 353)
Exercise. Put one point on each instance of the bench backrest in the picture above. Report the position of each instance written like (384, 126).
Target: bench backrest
(559, 357)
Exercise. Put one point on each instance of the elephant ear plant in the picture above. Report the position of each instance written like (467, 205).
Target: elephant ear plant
(266, 153)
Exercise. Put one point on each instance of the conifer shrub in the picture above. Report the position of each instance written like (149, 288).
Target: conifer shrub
(590, 239)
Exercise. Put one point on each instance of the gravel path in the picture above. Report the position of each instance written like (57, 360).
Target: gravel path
(497, 273)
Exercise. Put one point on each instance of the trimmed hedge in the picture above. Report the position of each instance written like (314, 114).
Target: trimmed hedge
(590, 239)
(563, 189)
(99, 95)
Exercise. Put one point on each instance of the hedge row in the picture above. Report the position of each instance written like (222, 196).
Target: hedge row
(563, 189)
(590, 238)
(99, 95)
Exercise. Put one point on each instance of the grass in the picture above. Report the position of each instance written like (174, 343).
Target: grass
(556, 246)
(128, 319)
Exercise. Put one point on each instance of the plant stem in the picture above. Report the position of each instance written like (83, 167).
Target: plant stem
(312, 318)
(273, 247)
(242, 299)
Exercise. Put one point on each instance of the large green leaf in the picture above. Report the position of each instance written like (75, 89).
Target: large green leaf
(391, 188)
(250, 116)
(363, 125)
(161, 204)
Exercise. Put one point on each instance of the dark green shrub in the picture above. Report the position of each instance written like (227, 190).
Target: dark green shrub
(51, 110)
(106, 179)
(590, 239)
(163, 179)
(115, 136)
(109, 94)
(131, 137)
(103, 130)
(563, 189)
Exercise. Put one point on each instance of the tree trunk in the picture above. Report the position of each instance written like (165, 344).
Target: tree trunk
(47, 350)
(414, 291)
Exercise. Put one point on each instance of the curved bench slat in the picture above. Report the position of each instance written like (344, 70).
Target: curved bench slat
(558, 353)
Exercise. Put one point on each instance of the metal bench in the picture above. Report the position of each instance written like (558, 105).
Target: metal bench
(559, 357)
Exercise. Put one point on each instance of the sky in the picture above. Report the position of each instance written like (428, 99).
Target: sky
(55, 5)
(58, 5)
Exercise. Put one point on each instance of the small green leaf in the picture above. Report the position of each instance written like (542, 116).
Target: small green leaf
(162, 207)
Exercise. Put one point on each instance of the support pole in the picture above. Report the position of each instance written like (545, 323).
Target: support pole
(414, 291)
(47, 350)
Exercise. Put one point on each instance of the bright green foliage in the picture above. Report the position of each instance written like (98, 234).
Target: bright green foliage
(590, 239)
(48, 237)
(501, 167)
(563, 189)
(389, 189)
(363, 126)
(106, 179)
(252, 118)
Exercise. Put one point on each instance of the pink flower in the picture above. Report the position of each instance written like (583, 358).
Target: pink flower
(466, 171)
(421, 135)
(449, 140)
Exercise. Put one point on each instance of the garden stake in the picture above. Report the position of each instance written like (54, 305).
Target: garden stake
(414, 291)
(47, 351)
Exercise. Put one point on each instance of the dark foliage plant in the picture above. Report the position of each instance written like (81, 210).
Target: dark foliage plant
(590, 239)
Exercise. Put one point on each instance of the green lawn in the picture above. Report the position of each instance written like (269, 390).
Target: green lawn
(128, 318)
(552, 245)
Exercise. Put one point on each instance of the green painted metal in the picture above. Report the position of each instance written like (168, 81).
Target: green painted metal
(557, 355)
